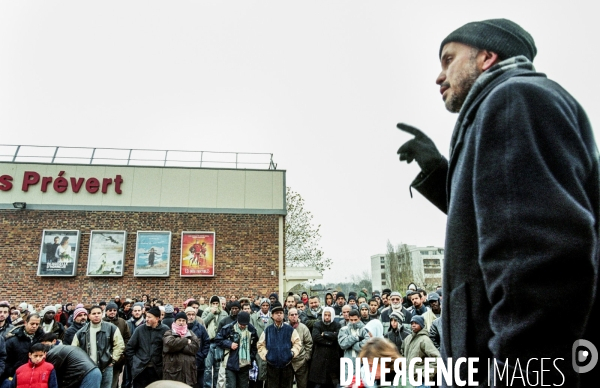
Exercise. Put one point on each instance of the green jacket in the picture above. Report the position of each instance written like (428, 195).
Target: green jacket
(419, 345)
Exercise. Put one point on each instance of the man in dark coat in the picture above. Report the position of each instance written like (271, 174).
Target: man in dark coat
(521, 191)
(238, 339)
(325, 366)
(144, 350)
(18, 342)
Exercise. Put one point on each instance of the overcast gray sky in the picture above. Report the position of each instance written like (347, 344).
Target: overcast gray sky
(320, 84)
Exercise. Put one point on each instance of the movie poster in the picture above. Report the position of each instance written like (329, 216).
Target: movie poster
(58, 253)
(107, 253)
(197, 254)
(152, 254)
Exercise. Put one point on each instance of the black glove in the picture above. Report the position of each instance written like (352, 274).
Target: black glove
(421, 149)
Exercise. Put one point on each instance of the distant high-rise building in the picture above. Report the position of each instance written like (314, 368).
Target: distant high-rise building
(427, 265)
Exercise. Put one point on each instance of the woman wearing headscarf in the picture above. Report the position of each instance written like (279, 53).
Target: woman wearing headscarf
(325, 366)
(180, 346)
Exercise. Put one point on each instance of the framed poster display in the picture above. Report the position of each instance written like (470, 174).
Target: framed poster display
(58, 253)
(107, 253)
(197, 254)
(152, 253)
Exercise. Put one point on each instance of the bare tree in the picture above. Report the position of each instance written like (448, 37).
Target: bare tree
(302, 237)
(403, 270)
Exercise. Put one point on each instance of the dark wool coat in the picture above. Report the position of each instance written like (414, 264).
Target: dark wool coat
(522, 201)
(144, 347)
(325, 366)
(179, 357)
(17, 349)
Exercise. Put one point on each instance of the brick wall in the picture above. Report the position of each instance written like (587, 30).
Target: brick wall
(246, 253)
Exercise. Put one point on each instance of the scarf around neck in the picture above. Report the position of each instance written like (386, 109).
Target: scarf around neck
(244, 345)
(482, 82)
(179, 330)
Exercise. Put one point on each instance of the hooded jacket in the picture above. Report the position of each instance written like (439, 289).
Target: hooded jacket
(212, 320)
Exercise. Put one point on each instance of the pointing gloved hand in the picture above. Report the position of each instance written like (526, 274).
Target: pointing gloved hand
(421, 148)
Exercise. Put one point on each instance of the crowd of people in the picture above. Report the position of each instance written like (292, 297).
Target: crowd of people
(215, 342)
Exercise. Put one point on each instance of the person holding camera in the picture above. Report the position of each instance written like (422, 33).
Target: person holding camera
(238, 340)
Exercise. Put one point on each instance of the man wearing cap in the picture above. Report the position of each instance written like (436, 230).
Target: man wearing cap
(395, 305)
(434, 311)
(301, 363)
(238, 340)
(80, 317)
(340, 301)
(49, 324)
(103, 342)
(111, 316)
(24, 309)
(211, 317)
(234, 309)
(419, 345)
(144, 350)
(168, 318)
(260, 320)
(278, 345)
(521, 192)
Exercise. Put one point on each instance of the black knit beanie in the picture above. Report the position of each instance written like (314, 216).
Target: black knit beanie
(155, 311)
(502, 36)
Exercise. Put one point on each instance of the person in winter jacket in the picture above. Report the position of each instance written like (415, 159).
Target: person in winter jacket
(419, 345)
(522, 172)
(352, 337)
(144, 350)
(37, 373)
(18, 342)
(180, 346)
(325, 366)
(394, 333)
(238, 340)
(212, 316)
(202, 335)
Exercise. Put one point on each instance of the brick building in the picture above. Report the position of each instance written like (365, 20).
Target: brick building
(244, 208)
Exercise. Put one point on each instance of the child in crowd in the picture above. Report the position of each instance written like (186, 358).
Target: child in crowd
(37, 372)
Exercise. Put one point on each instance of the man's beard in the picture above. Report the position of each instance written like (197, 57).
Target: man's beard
(462, 86)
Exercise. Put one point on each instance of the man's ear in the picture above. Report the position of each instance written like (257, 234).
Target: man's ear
(487, 59)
